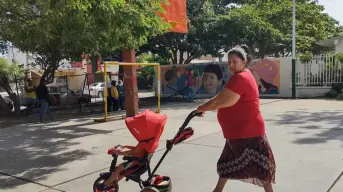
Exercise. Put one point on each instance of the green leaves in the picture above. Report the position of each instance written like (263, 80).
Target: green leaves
(202, 38)
(3, 47)
(248, 27)
(64, 29)
(9, 71)
(312, 23)
(152, 58)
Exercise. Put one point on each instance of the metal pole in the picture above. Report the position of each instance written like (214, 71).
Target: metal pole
(158, 89)
(293, 51)
(105, 91)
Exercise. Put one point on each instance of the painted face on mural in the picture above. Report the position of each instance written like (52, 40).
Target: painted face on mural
(212, 78)
(236, 64)
(210, 82)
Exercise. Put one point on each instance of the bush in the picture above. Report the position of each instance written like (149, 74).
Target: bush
(332, 94)
(337, 87)
(340, 97)
(99, 77)
(305, 57)
(145, 77)
(339, 57)
(336, 91)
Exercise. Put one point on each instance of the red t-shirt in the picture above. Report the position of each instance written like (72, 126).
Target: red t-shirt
(243, 119)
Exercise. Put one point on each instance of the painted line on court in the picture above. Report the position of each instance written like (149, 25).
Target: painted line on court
(30, 181)
(335, 182)
(157, 151)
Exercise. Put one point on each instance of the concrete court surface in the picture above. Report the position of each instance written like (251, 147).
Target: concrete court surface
(306, 137)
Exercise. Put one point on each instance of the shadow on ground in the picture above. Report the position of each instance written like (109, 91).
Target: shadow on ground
(325, 125)
(68, 112)
(39, 151)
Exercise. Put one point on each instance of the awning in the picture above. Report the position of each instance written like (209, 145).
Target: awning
(35, 74)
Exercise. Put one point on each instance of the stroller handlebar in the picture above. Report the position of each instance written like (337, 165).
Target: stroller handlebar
(189, 118)
(170, 143)
(186, 122)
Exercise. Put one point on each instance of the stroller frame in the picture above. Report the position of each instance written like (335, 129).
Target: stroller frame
(135, 174)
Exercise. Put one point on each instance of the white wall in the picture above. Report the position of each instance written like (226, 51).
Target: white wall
(339, 45)
(18, 56)
(286, 82)
(24, 59)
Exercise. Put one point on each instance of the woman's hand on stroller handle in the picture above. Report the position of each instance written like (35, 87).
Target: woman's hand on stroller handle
(197, 113)
(190, 117)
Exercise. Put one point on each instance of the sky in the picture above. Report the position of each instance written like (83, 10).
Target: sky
(333, 8)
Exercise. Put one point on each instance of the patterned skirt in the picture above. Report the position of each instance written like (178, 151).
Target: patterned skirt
(249, 160)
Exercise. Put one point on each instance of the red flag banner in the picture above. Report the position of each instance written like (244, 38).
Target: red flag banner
(176, 15)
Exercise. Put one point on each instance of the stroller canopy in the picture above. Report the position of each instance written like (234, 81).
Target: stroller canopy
(147, 127)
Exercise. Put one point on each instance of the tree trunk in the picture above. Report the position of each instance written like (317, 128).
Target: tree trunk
(174, 58)
(262, 51)
(4, 107)
(13, 97)
(16, 104)
(189, 59)
(49, 72)
(181, 59)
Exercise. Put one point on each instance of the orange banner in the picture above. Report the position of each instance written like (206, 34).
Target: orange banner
(176, 15)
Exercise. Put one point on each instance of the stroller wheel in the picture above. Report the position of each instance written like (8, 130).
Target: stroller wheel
(99, 186)
(149, 189)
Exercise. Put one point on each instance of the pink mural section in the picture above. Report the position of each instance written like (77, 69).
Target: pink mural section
(267, 75)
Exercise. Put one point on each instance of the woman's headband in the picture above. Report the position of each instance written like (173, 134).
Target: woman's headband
(239, 50)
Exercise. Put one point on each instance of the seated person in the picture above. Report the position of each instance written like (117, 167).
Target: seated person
(135, 151)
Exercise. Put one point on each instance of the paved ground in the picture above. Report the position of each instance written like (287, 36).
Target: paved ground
(306, 137)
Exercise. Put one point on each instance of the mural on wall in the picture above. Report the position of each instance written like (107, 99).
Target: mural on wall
(209, 78)
(267, 75)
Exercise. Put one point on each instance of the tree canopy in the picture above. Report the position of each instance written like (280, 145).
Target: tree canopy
(54, 30)
(264, 25)
(9, 72)
(182, 48)
(311, 22)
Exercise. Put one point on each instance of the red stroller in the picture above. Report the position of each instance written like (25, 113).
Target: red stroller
(147, 127)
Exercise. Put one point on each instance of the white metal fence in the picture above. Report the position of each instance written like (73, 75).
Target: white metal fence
(322, 70)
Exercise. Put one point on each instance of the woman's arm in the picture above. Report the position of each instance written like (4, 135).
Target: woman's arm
(132, 151)
(129, 146)
(225, 98)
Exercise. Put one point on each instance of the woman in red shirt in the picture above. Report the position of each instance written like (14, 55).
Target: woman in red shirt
(247, 155)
